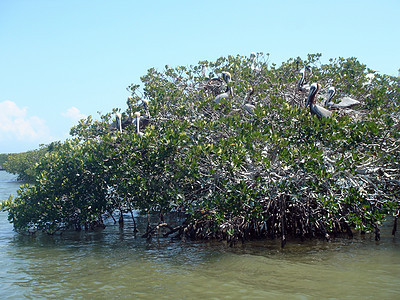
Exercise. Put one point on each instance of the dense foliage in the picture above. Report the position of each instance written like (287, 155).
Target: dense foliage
(24, 164)
(3, 159)
(276, 172)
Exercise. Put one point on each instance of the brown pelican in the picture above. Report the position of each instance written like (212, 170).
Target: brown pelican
(226, 76)
(216, 84)
(254, 66)
(122, 122)
(204, 70)
(145, 120)
(118, 119)
(345, 102)
(302, 85)
(315, 109)
(247, 104)
(146, 107)
(137, 115)
(228, 93)
(330, 95)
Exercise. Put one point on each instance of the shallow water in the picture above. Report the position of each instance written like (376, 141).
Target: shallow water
(113, 264)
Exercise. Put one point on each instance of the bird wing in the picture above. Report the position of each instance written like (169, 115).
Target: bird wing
(221, 96)
(321, 112)
(249, 108)
(345, 102)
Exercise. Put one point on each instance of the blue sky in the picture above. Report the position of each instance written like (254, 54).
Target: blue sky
(64, 60)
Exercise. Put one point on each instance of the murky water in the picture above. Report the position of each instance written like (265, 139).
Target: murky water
(113, 264)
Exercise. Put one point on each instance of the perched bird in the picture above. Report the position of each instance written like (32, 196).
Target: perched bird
(226, 76)
(369, 78)
(315, 109)
(145, 120)
(254, 66)
(344, 102)
(204, 70)
(330, 95)
(247, 104)
(137, 115)
(228, 93)
(122, 121)
(216, 84)
(118, 119)
(302, 85)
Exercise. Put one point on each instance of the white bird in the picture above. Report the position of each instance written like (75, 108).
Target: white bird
(226, 76)
(137, 114)
(344, 102)
(147, 115)
(315, 109)
(204, 70)
(247, 105)
(228, 93)
(118, 118)
(302, 85)
(369, 78)
(254, 66)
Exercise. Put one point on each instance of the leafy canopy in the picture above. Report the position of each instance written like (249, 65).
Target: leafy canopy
(276, 172)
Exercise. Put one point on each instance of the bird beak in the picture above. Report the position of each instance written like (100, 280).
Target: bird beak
(308, 101)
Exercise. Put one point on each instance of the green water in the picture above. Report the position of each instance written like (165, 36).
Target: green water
(113, 264)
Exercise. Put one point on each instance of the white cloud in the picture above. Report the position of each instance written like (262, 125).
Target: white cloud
(74, 114)
(16, 125)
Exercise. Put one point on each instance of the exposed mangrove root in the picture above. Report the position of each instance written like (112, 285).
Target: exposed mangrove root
(280, 218)
(151, 230)
(395, 223)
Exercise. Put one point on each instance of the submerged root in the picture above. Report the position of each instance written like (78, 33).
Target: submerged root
(280, 218)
